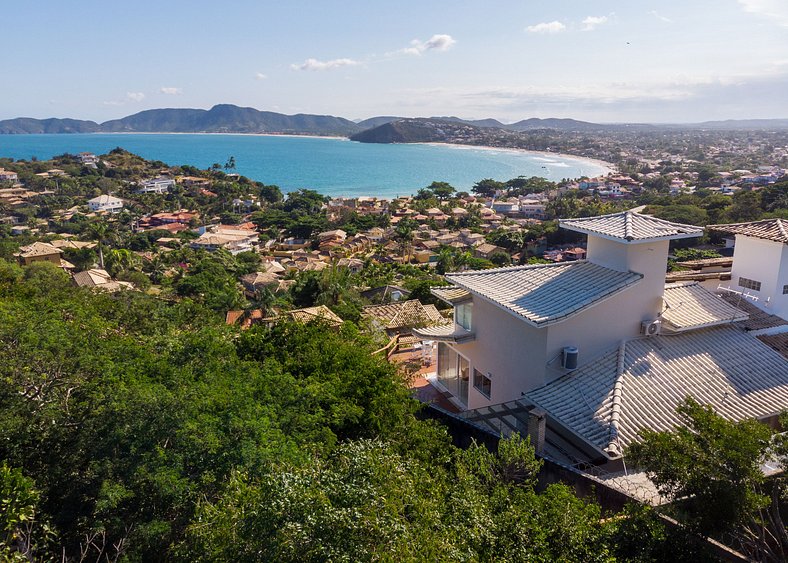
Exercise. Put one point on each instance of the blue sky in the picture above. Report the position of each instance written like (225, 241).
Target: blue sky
(604, 61)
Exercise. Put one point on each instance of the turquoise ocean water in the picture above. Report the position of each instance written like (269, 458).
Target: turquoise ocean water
(335, 167)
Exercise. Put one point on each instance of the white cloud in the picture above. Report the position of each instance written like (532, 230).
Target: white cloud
(592, 22)
(260, 76)
(170, 90)
(314, 64)
(659, 16)
(131, 97)
(775, 10)
(546, 27)
(438, 42)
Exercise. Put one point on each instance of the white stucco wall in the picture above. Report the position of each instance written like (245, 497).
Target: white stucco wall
(649, 259)
(764, 261)
(515, 354)
(511, 351)
(595, 330)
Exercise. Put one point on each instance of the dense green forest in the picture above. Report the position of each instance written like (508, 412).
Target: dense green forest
(136, 429)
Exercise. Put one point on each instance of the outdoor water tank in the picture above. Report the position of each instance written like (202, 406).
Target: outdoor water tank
(570, 358)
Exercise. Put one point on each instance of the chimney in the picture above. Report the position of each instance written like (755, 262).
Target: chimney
(537, 420)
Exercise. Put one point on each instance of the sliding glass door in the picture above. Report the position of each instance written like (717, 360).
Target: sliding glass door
(454, 372)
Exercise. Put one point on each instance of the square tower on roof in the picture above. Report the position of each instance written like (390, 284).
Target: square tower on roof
(631, 227)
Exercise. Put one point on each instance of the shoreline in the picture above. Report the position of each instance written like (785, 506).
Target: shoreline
(609, 167)
(551, 165)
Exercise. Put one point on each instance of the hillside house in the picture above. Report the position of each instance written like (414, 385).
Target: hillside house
(234, 241)
(760, 263)
(486, 250)
(319, 313)
(105, 204)
(194, 181)
(99, 279)
(599, 349)
(8, 175)
(160, 185)
(257, 281)
(88, 159)
(39, 252)
(532, 209)
(400, 318)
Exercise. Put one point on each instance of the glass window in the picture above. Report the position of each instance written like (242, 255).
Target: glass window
(463, 313)
(453, 372)
(785, 290)
(749, 284)
(482, 383)
(463, 378)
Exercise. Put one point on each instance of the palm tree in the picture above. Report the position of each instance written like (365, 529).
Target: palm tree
(335, 284)
(264, 299)
(445, 260)
(98, 230)
(404, 234)
(121, 259)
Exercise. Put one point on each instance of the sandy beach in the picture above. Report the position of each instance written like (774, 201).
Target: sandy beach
(609, 167)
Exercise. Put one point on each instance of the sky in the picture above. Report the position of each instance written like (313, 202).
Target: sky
(604, 61)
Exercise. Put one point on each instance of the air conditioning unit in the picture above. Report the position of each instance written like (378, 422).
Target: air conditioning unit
(569, 357)
(651, 328)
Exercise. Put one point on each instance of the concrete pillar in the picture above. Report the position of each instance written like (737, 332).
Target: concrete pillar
(537, 421)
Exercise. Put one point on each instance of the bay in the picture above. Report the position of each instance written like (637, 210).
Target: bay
(332, 166)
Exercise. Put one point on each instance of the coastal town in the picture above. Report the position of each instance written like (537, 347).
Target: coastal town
(520, 308)
(394, 282)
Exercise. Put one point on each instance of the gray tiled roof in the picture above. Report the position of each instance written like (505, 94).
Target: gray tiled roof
(689, 305)
(638, 386)
(450, 294)
(546, 293)
(629, 226)
(445, 333)
(769, 229)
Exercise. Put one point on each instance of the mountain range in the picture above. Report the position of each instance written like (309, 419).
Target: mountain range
(228, 118)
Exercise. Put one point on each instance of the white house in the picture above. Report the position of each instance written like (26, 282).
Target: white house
(602, 347)
(160, 185)
(106, 203)
(234, 240)
(8, 175)
(760, 263)
(88, 159)
(532, 208)
(512, 324)
(505, 206)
